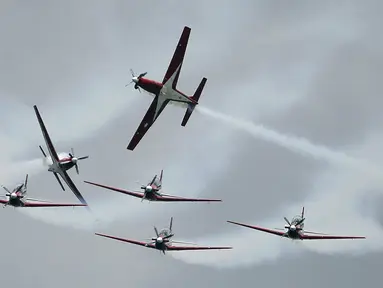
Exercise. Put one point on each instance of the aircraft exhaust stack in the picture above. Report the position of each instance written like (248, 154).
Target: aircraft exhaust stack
(191, 106)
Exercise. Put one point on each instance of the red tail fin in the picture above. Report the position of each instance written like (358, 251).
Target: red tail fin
(195, 97)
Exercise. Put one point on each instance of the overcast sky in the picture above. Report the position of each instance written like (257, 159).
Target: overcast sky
(291, 116)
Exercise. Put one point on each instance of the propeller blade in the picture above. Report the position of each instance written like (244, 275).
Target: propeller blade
(154, 179)
(131, 71)
(169, 236)
(155, 230)
(300, 222)
(163, 251)
(82, 158)
(78, 172)
(143, 197)
(72, 151)
(287, 221)
(142, 75)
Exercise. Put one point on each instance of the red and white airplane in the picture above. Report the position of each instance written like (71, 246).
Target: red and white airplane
(163, 241)
(17, 198)
(295, 230)
(152, 192)
(60, 164)
(165, 91)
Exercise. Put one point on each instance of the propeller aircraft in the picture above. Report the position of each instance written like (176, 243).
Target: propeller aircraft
(17, 198)
(294, 230)
(60, 164)
(152, 192)
(165, 91)
(163, 241)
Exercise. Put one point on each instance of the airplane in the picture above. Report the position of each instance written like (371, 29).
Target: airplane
(294, 230)
(163, 241)
(17, 198)
(152, 192)
(165, 91)
(60, 164)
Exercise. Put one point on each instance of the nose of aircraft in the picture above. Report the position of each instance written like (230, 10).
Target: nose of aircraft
(74, 160)
(13, 195)
(135, 79)
(148, 188)
(159, 240)
(293, 228)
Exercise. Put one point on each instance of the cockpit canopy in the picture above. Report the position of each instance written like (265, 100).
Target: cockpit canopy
(297, 219)
(165, 232)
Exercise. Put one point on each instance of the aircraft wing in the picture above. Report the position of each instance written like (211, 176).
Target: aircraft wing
(271, 231)
(144, 244)
(3, 201)
(134, 194)
(48, 141)
(178, 57)
(328, 237)
(155, 109)
(45, 204)
(190, 248)
(73, 187)
(169, 198)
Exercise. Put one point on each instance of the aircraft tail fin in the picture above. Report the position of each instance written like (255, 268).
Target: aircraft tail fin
(162, 173)
(171, 224)
(195, 97)
(26, 183)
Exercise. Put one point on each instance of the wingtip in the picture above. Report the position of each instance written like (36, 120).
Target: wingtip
(232, 222)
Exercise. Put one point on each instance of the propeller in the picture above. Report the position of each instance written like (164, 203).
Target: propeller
(148, 188)
(75, 159)
(136, 79)
(160, 239)
(293, 227)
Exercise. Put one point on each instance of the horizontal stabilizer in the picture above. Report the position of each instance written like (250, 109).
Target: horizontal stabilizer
(191, 106)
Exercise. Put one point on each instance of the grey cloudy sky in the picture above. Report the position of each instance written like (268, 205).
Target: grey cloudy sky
(305, 68)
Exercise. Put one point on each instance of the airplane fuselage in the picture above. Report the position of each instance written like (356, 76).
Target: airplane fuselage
(15, 202)
(297, 232)
(160, 246)
(151, 196)
(63, 164)
(164, 91)
(294, 234)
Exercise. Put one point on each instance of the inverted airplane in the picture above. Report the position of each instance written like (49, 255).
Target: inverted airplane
(163, 241)
(294, 230)
(166, 91)
(17, 198)
(60, 164)
(152, 192)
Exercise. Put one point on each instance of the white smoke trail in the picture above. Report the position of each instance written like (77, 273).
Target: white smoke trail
(295, 144)
(337, 205)
(83, 220)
